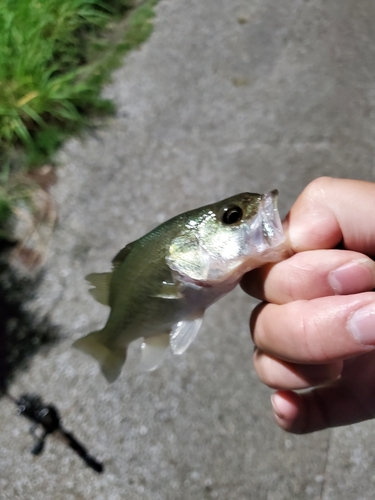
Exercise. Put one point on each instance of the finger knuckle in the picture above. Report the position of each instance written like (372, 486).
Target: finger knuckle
(317, 189)
(309, 332)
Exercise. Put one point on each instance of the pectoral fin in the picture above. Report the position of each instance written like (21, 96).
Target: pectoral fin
(169, 291)
(183, 334)
(110, 360)
(153, 350)
(100, 282)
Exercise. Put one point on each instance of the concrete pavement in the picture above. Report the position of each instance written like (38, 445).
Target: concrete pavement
(226, 96)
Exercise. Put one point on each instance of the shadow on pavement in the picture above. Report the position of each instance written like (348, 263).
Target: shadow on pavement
(21, 334)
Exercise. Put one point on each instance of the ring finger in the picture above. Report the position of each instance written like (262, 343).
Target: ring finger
(279, 374)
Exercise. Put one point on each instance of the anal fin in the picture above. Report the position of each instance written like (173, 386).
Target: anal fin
(153, 350)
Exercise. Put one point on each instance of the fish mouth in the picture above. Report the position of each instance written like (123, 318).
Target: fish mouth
(266, 230)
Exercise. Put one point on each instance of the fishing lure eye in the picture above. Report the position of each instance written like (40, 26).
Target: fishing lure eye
(232, 215)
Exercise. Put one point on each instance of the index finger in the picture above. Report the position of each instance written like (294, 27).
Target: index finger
(332, 211)
(311, 274)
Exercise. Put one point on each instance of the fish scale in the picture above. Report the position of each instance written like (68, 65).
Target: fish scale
(162, 283)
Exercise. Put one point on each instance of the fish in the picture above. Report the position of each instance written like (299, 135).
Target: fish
(161, 284)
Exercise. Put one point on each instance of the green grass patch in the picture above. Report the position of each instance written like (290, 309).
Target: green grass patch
(55, 56)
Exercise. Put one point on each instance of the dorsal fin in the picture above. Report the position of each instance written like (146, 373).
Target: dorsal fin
(119, 258)
(100, 282)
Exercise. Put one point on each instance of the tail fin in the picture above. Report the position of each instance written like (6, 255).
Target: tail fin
(111, 361)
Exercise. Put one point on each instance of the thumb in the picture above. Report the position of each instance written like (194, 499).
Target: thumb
(332, 211)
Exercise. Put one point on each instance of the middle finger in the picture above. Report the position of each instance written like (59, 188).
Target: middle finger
(321, 330)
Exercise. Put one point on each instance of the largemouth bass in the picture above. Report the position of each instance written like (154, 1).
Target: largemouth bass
(162, 283)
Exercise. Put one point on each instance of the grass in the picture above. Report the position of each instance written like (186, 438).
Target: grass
(55, 56)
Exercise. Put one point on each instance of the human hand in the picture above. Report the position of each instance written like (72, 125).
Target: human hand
(317, 324)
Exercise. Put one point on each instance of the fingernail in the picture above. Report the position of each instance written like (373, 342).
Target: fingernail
(281, 406)
(353, 277)
(362, 325)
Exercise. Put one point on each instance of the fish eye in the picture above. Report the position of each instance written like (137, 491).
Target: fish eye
(232, 215)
